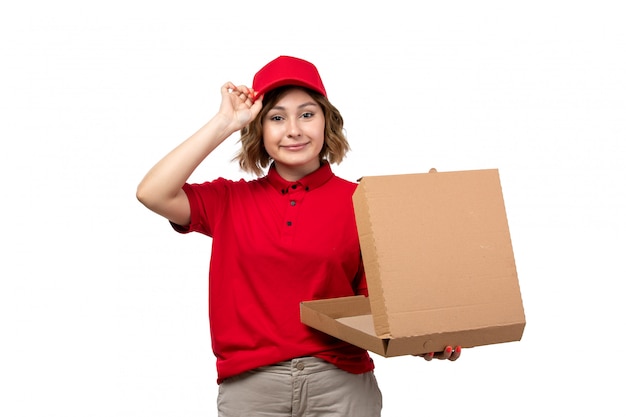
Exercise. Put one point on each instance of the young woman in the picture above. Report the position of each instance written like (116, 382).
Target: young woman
(288, 236)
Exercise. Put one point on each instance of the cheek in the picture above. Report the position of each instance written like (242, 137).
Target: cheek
(266, 135)
(269, 132)
(320, 134)
(268, 143)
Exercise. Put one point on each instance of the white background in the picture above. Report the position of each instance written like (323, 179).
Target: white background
(103, 307)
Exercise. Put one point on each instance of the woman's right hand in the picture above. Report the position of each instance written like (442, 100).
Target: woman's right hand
(239, 105)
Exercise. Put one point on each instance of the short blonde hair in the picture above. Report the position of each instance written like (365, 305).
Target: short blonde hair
(253, 158)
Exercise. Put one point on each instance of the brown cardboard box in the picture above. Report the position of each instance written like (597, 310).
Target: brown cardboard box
(439, 264)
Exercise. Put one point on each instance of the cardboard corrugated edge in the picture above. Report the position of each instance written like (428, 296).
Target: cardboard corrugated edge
(344, 318)
(370, 259)
(467, 338)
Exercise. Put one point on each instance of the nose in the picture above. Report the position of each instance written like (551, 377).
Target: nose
(293, 129)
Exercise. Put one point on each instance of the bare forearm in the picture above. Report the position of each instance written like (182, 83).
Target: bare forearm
(161, 188)
(164, 181)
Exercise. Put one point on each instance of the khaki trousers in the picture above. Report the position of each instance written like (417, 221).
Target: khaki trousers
(297, 388)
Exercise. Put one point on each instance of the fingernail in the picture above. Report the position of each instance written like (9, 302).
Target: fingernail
(449, 349)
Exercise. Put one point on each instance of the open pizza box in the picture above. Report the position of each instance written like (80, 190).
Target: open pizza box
(439, 266)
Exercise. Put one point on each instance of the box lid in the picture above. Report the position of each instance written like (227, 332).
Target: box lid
(437, 252)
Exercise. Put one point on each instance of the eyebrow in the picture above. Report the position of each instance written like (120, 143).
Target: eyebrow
(308, 103)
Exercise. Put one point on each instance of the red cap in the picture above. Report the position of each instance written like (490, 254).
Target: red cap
(287, 70)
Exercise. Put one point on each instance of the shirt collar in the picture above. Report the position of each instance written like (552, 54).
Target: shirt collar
(314, 180)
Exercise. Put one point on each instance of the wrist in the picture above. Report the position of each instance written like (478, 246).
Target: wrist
(222, 125)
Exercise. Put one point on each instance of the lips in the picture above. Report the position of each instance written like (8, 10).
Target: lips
(295, 147)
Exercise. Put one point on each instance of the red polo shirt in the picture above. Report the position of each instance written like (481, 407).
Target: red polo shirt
(277, 243)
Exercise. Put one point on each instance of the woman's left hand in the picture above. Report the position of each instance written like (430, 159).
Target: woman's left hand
(448, 353)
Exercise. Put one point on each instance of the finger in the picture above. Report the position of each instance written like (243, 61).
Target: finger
(456, 354)
(228, 87)
(247, 92)
(236, 90)
(447, 352)
(257, 97)
(244, 93)
(256, 106)
(232, 88)
(242, 96)
(428, 356)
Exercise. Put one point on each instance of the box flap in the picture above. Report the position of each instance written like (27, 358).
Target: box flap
(437, 253)
(346, 318)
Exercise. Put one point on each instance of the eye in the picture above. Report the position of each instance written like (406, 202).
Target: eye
(276, 117)
(307, 115)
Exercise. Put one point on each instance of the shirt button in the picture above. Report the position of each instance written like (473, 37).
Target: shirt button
(288, 223)
(294, 186)
(293, 203)
(300, 366)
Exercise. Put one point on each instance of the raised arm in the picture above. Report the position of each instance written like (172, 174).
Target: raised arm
(161, 188)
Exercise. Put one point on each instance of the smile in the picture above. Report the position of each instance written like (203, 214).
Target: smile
(295, 147)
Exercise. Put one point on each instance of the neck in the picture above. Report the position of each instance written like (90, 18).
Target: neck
(295, 173)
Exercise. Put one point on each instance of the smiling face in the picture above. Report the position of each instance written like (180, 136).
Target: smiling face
(293, 134)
